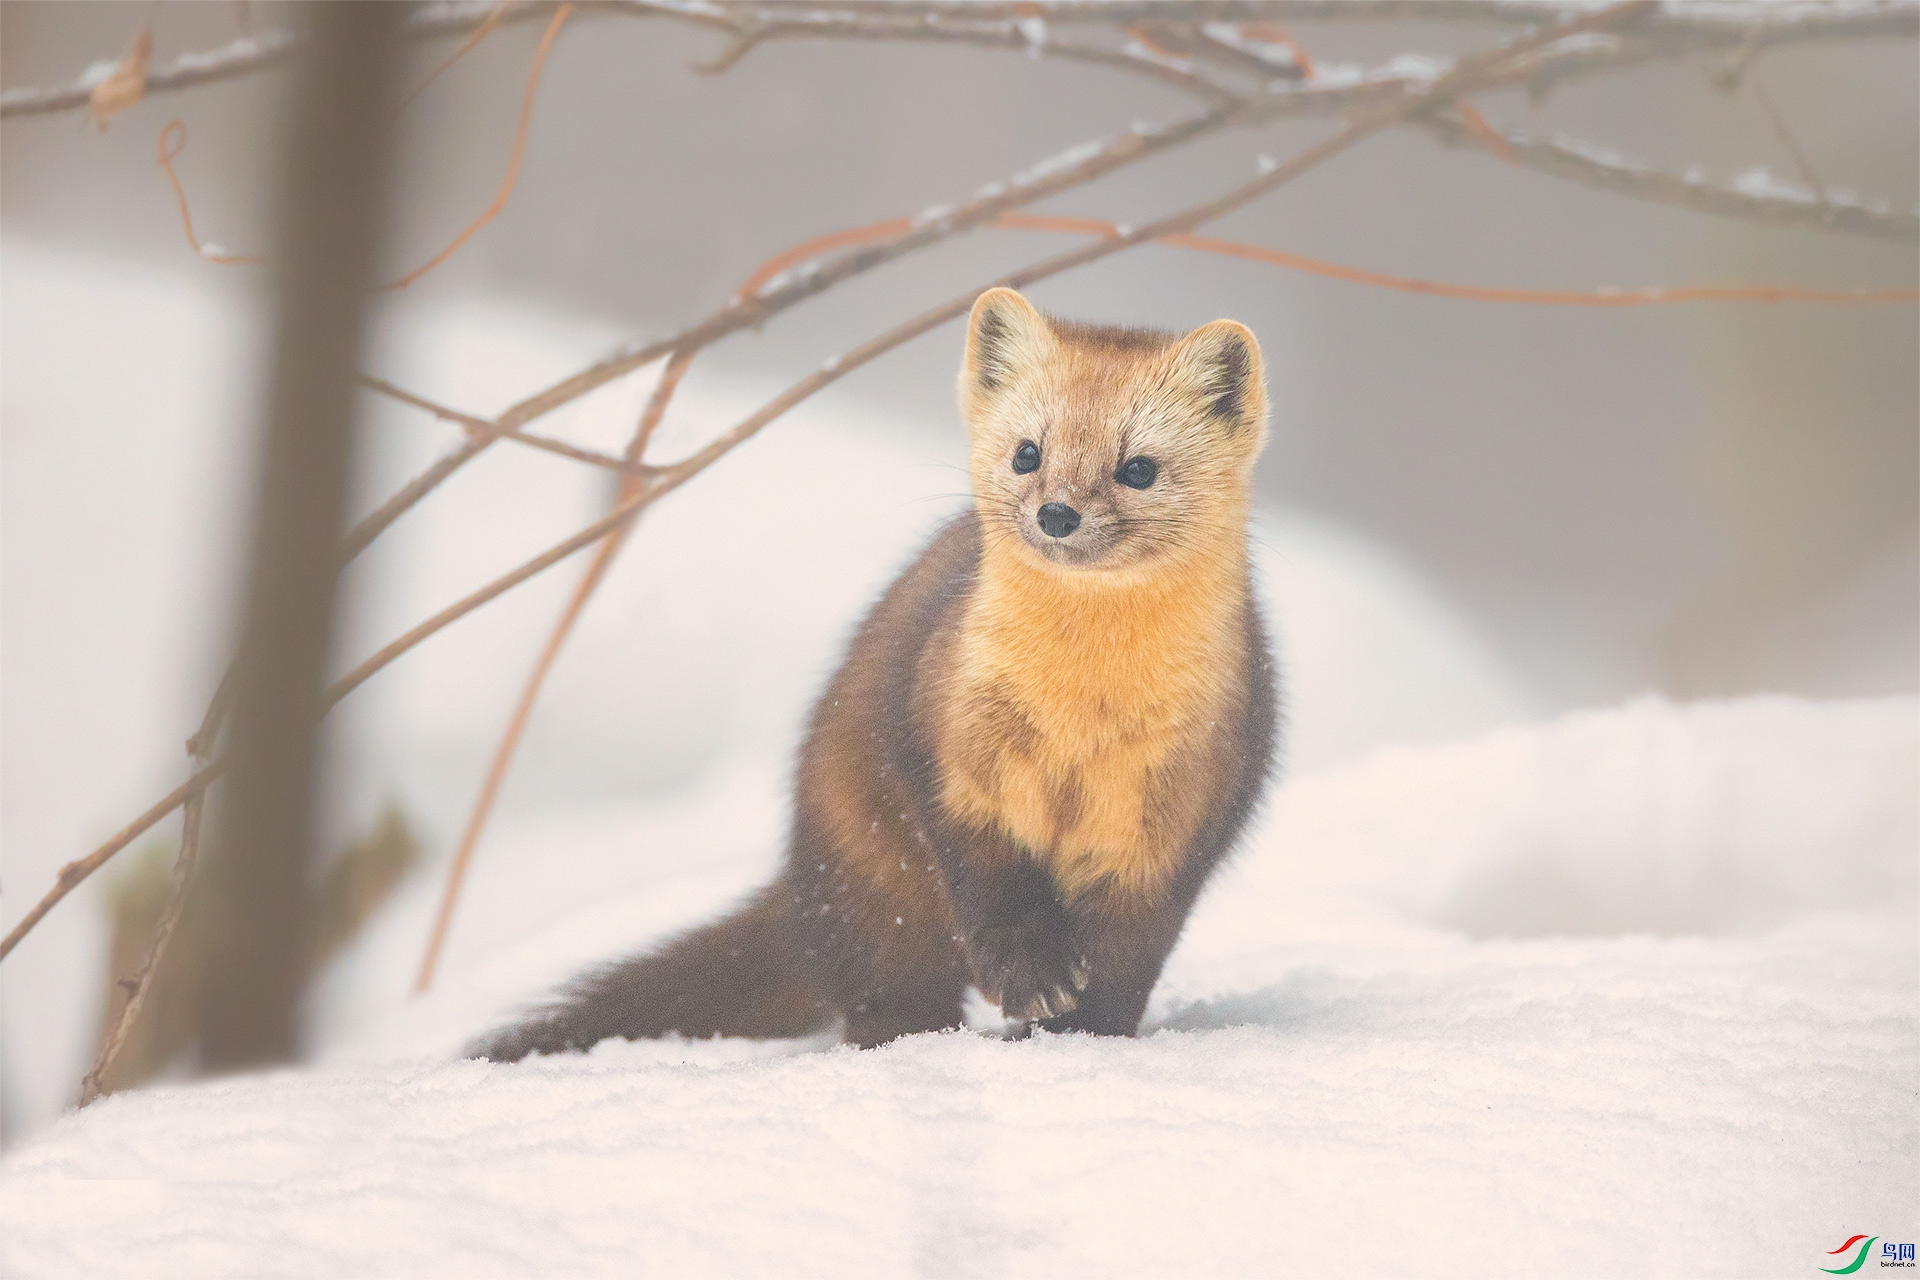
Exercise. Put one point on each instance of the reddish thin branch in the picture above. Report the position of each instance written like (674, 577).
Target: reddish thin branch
(1646, 295)
(509, 743)
(174, 137)
(173, 140)
(512, 177)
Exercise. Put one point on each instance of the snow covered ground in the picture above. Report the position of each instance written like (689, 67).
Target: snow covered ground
(1628, 994)
(1621, 992)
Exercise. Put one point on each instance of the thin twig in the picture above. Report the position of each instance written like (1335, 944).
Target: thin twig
(494, 431)
(377, 521)
(243, 57)
(743, 42)
(173, 139)
(78, 870)
(751, 30)
(662, 395)
(504, 750)
(479, 33)
(200, 746)
(1727, 76)
(1780, 131)
(583, 591)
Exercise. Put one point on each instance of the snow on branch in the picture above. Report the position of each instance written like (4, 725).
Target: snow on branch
(1756, 196)
(240, 57)
(1709, 19)
(1673, 28)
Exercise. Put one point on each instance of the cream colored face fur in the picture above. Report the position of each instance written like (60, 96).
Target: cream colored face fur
(1092, 400)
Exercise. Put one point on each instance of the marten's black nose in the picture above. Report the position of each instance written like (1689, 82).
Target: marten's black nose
(1057, 519)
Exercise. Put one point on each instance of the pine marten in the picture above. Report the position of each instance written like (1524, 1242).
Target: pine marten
(1043, 739)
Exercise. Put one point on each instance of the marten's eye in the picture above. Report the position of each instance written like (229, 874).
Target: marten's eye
(1026, 458)
(1138, 473)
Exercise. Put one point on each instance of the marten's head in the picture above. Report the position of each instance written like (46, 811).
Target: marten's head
(1106, 448)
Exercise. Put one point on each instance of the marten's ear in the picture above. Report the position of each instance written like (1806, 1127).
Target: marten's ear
(1222, 362)
(1004, 335)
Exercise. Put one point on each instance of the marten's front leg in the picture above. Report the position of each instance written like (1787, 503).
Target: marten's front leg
(1025, 953)
(1126, 941)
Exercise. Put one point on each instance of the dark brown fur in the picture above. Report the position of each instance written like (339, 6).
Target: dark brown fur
(862, 924)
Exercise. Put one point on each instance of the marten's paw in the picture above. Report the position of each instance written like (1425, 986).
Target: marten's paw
(1032, 969)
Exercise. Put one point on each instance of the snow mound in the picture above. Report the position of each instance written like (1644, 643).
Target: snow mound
(1383, 1048)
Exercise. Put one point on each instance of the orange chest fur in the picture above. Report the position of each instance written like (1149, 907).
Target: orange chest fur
(1089, 729)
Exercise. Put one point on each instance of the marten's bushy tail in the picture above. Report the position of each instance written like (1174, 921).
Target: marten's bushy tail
(741, 976)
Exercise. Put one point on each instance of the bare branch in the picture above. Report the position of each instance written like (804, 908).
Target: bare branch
(491, 431)
(1676, 28)
(242, 57)
(1470, 74)
(1757, 199)
(757, 28)
(1725, 20)
(251, 54)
